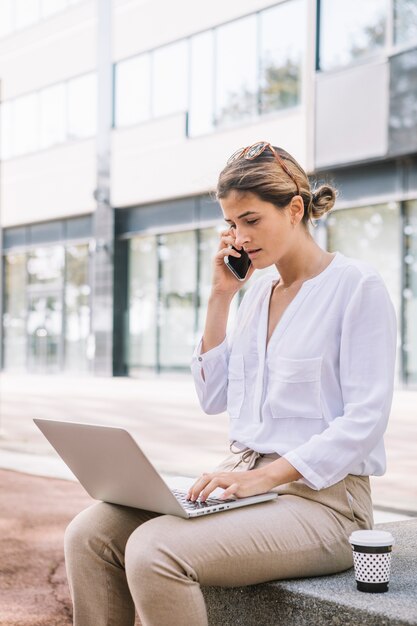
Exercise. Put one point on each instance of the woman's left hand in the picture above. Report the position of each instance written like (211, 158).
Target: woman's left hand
(239, 484)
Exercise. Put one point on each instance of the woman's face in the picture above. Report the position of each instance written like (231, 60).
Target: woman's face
(262, 230)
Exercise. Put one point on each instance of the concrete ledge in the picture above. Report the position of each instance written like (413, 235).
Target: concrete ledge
(326, 600)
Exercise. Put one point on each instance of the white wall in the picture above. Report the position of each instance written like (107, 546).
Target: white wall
(352, 114)
(155, 161)
(49, 185)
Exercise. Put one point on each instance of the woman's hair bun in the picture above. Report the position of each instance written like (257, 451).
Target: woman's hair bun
(322, 201)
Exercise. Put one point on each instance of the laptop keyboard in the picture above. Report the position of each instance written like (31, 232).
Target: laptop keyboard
(191, 506)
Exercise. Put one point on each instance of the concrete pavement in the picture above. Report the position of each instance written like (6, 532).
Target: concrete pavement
(163, 413)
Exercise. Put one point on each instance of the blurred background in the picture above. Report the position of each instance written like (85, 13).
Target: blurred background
(116, 117)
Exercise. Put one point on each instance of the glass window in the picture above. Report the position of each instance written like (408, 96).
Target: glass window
(82, 105)
(143, 299)
(25, 127)
(410, 292)
(281, 55)
(170, 79)
(27, 12)
(208, 245)
(405, 21)
(50, 7)
(236, 71)
(45, 267)
(178, 260)
(133, 91)
(6, 129)
(44, 328)
(350, 31)
(6, 17)
(14, 317)
(77, 308)
(201, 114)
(372, 234)
(53, 115)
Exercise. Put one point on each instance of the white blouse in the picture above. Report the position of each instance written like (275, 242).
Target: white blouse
(320, 393)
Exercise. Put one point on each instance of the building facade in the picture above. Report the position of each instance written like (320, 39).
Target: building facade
(114, 124)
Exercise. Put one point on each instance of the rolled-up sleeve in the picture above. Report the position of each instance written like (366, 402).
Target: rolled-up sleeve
(209, 371)
(367, 364)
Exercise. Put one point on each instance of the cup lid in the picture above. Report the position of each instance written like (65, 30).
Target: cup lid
(372, 538)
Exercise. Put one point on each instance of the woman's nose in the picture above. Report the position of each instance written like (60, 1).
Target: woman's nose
(241, 238)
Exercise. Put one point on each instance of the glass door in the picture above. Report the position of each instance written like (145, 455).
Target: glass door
(44, 328)
(178, 286)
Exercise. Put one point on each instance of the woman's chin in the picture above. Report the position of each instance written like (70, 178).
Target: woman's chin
(261, 264)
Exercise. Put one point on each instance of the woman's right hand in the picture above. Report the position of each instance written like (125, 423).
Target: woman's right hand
(223, 281)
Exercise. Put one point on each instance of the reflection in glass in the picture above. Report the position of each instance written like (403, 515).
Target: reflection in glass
(53, 115)
(236, 71)
(133, 90)
(208, 244)
(82, 103)
(350, 30)
(14, 317)
(178, 261)
(410, 293)
(45, 267)
(25, 128)
(405, 22)
(170, 79)
(281, 55)
(77, 308)
(371, 234)
(143, 293)
(201, 84)
(44, 328)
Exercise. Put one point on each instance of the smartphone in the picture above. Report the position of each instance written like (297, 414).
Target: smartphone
(239, 266)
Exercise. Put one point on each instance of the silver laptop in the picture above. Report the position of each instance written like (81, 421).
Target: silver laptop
(111, 467)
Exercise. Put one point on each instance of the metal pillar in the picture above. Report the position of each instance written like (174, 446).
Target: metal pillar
(102, 245)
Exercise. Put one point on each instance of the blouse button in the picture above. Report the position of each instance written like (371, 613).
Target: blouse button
(200, 358)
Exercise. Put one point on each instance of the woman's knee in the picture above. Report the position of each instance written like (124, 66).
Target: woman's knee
(83, 529)
(152, 549)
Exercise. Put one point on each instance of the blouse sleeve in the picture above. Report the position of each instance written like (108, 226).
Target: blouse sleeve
(367, 361)
(209, 371)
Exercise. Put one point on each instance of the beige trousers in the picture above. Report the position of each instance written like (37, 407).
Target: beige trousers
(119, 558)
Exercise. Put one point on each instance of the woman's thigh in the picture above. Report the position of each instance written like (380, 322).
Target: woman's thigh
(104, 524)
(286, 538)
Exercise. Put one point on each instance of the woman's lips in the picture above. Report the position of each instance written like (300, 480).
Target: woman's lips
(253, 253)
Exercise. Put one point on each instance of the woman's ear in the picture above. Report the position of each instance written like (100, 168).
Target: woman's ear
(296, 209)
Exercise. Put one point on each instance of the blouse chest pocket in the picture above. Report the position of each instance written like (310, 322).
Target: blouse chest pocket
(235, 386)
(294, 387)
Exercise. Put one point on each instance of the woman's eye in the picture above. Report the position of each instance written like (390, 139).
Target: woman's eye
(252, 221)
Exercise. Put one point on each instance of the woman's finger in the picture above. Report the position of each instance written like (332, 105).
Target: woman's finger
(229, 492)
(195, 490)
(212, 485)
(228, 252)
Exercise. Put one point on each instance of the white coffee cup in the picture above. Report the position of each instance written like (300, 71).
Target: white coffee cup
(372, 551)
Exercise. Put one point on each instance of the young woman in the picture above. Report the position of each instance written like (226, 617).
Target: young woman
(307, 379)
